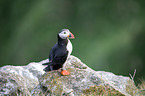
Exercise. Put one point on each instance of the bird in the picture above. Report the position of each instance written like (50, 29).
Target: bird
(60, 52)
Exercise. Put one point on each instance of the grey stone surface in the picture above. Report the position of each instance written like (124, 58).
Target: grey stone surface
(32, 80)
(19, 80)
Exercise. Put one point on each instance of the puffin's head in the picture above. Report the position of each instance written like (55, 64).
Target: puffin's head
(65, 33)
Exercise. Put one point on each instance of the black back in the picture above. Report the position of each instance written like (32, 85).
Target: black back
(58, 55)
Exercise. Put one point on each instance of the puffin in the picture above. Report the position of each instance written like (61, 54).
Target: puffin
(60, 52)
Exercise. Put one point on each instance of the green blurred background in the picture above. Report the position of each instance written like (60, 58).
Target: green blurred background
(109, 34)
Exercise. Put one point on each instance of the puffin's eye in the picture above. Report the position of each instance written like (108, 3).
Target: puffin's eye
(64, 32)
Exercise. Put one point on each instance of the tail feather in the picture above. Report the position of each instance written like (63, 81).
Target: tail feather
(45, 63)
(47, 69)
(51, 66)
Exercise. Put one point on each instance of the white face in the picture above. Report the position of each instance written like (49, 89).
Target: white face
(64, 33)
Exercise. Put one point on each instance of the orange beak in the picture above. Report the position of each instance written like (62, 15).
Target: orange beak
(71, 36)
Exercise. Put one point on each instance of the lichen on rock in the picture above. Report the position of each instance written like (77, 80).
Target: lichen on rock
(19, 80)
(81, 78)
(12, 84)
(82, 81)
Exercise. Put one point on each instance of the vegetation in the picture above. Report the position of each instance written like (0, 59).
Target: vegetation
(141, 89)
(101, 91)
(107, 91)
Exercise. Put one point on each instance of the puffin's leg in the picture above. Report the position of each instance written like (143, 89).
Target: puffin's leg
(48, 68)
(63, 67)
(51, 68)
(64, 71)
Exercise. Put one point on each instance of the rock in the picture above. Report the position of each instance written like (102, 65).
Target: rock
(82, 81)
(19, 79)
(12, 85)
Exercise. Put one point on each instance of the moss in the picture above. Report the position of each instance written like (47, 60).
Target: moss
(131, 88)
(107, 91)
(101, 90)
(53, 85)
(141, 89)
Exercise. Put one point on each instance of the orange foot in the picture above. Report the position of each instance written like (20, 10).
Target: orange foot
(65, 72)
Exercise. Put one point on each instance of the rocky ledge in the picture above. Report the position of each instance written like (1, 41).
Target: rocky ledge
(31, 80)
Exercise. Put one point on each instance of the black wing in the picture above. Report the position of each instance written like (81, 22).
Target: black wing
(58, 54)
(57, 57)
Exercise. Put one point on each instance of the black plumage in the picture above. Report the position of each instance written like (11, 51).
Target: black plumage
(58, 55)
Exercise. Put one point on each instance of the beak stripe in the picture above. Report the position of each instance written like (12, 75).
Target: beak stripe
(69, 35)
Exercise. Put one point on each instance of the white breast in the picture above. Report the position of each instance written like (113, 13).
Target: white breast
(69, 47)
